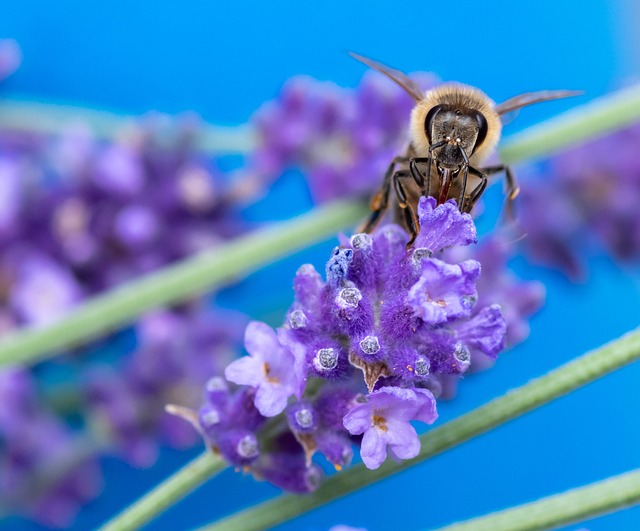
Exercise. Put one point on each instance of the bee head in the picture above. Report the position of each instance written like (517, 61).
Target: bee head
(454, 129)
(460, 120)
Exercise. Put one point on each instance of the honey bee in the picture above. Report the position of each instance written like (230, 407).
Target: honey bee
(453, 129)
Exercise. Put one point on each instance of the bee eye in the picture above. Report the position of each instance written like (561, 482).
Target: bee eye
(482, 130)
(428, 122)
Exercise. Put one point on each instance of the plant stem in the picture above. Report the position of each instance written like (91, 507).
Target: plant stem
(50, 118)
(585, 121)
(167, 493)
(590, 120)
(513, 404)
(178, 282)
(576, 505)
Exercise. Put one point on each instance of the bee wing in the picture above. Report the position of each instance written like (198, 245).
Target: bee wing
(410, 86)
(529, 98)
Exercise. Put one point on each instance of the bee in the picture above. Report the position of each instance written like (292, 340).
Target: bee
(453, 129)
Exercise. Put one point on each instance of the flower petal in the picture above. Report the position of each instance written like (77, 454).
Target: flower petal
(245, 371)
(373, 449)
(427, 411)
(358, 420)
(403, 439)
(260, 339)
(271, 399)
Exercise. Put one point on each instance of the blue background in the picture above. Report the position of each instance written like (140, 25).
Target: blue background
(223, 61)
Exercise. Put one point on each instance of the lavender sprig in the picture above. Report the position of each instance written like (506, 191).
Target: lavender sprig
(338, 137)
(361, 356)
(176, 353)
(590, 195)
(513, 404)
(46, 471)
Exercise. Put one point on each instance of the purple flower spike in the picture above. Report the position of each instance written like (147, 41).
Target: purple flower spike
(268, 369)
(384, 419)
(444, 291)
(404, 324)
(447, 226)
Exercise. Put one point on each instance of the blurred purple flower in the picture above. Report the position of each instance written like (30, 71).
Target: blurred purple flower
(177, 352)
(10, 197)
(583, 199)
(43, 290)
(45, 472)
(101, 210)
(341, 139)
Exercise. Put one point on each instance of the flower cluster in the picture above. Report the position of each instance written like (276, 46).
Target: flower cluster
(78, 215)
(176, 352)
(45, 471)
(337, 137)
(362, 355)
(589, 195)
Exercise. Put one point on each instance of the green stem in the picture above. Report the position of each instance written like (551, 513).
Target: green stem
(513, 404)
(590, 120)
(51, 119)
(167, 493)
(576, 505)
(585, 121)
(178, 282)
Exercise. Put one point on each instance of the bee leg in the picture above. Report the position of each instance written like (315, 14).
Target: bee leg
(463, 188)
(465, 175)
(380, 200)
(511, 188)
(410, 218)
(423, 181)
(477, 191)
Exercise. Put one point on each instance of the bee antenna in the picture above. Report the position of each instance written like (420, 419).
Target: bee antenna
(400, 79)
(530, 98)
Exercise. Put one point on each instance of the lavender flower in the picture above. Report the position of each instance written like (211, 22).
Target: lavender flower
(45, 472)
(43, 290)
(339, 138)
(78, 216)
(98, 212)
(362, 354)
(589, 196)
(177, 352)
(271, 369)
